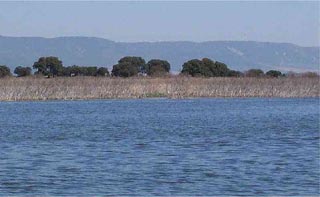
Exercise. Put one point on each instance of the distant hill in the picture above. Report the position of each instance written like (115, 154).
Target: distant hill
(238, 55)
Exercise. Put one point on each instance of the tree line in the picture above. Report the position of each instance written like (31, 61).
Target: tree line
(134, 66)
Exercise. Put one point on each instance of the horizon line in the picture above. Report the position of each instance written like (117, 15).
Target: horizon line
(157, 41)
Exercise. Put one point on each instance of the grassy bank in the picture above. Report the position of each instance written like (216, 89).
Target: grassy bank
(33, 88)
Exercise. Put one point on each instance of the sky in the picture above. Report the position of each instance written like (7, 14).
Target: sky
(291, 22)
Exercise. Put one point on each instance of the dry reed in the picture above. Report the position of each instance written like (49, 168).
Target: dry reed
(69, 88)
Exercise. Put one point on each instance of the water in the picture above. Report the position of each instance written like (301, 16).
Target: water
(160, 147)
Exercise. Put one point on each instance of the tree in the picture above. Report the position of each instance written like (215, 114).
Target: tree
(22, 71)
(102, 71)
(84, 71)
(129, 66)
(218, 69)
(192, 67)
(89, 71)
(50, 66)
(124, 70)
(273, 73)
(4, 71)
(138, 62)
(205, 67)
(254, 73)
(157, 67)
(72, 71)
(234, 73)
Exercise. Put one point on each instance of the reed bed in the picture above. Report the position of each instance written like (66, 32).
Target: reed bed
(70, 88)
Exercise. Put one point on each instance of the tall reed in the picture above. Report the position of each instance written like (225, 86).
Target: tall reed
(37, 88)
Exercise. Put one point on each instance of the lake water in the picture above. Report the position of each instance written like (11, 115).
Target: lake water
(160, 147)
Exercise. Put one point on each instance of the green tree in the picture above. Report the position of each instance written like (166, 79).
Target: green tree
(254, 73)
(220, 69)
(50, 66)
(205, 67)
(4, 71)
(156, 67)
(83, 71)
(273, 73)
(208, 68)
(234, 73)
(138, 62)
(72, 71)
(22, 71)
(124, 70)
(102, 71)
(89, 71)
(129, 66)
(192, 67)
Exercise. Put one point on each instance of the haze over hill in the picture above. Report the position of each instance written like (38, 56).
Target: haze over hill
(91, 51)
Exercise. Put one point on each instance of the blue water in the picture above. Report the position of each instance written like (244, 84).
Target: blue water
(160, 147)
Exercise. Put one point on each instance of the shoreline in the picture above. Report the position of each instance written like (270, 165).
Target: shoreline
(99, 88)
(150, 98)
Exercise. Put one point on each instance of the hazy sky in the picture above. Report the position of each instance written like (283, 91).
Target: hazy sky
(294, 22)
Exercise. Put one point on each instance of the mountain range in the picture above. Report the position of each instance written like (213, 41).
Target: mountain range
(92, 51)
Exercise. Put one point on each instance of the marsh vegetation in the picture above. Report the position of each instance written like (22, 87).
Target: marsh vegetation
(39, 88)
